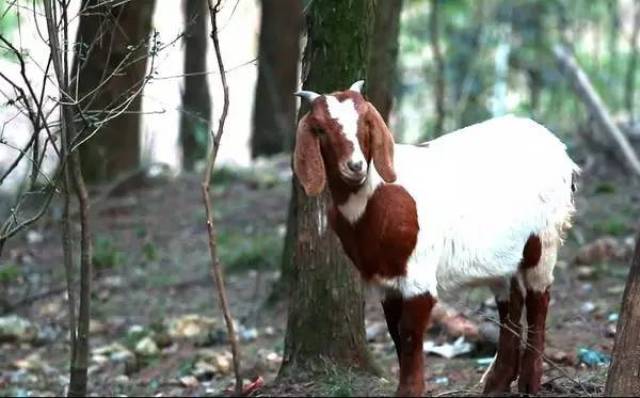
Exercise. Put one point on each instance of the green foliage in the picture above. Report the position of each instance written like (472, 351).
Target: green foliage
(149, 251)
(338, 383)
(224, 176)
(240, 252)
(470, 33)
(605, 188)
(8, 23)
(615, 225)
(9, 273)
(106, 254)
(8, 17)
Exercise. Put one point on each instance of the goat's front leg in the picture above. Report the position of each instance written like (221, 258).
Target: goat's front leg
(413, 321)
(531, 373)
(504, 369)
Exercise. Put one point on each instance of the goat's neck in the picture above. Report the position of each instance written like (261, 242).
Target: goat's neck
(352, 201)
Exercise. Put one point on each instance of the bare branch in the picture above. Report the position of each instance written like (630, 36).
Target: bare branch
(214, 144)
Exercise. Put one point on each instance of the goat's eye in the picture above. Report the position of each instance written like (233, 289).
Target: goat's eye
(318, 131)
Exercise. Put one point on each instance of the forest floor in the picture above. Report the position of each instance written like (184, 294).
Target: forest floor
(157, 328)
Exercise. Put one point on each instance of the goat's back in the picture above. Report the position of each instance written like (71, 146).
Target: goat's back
(481, 192)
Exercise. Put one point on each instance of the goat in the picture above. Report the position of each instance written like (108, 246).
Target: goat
(486, 205)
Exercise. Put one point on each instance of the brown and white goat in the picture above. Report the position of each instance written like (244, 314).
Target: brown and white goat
(485, 205)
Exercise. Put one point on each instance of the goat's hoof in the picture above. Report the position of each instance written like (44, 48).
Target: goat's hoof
(498, 383)
(530, 378)
(411, 390)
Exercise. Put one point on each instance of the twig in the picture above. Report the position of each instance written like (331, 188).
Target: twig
(214, 144)
(542, 354)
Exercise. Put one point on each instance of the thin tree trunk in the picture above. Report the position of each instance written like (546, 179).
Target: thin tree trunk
(438, 93)
(212, 153)
(623, 378)
(196, 101)
(587, 94)
(630, 78)
(381, 76)
(112, 37)
(274, 114)
(71, 163)
(326, 306)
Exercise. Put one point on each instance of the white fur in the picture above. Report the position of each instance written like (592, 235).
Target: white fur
(480, 194)
(346, 115)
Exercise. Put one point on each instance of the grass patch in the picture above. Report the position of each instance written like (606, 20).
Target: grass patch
(338, 384)
(9, 273)
(241, 252)
(605, 188)
(614, 225)
(106, 254)
(262, 179)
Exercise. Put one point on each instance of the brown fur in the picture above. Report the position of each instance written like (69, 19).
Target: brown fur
(506, 367)
(321, 147)
(531, 370)
(532, 252)
(381, 241)
(381, 144)
(307, 161)
(406, 321)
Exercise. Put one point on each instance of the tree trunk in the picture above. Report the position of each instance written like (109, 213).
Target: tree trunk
(630, 78)
(326, 306)
(624, 373)
(196, 102)
(381, 76)
(111, 48)
(437, 58)
(274, 115)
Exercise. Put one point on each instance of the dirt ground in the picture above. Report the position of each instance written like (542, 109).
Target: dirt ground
(153, 296)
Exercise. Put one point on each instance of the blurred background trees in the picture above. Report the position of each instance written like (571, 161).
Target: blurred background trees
(195, 117)
(109, 39)
(274, 112)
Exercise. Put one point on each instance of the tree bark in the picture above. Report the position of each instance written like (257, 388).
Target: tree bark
(112, 52)
(381, 76)
(274, 115)
(326, 306)
(623, 378)
(196, 101)
(438, 93)
(585, 91)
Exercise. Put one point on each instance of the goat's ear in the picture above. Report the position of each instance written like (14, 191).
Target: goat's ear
(307, 160)
(381, 144)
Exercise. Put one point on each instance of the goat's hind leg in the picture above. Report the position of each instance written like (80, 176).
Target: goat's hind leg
(537, 279)
(537, 304)
(504, 369)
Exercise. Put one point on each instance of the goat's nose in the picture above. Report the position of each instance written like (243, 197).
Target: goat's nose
(356, 167)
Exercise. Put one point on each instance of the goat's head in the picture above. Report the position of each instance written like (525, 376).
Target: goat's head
(339, 137)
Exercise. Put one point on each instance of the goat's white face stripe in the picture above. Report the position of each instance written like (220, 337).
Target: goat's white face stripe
(346, 115)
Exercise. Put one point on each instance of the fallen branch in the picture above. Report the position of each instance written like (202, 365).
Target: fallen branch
(214, 144)
(586, 92)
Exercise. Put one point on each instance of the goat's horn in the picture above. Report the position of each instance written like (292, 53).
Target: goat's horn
(357, 86)
(308, 95)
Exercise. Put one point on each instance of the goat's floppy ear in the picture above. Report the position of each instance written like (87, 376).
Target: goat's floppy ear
(307, 160)
(381, 144)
